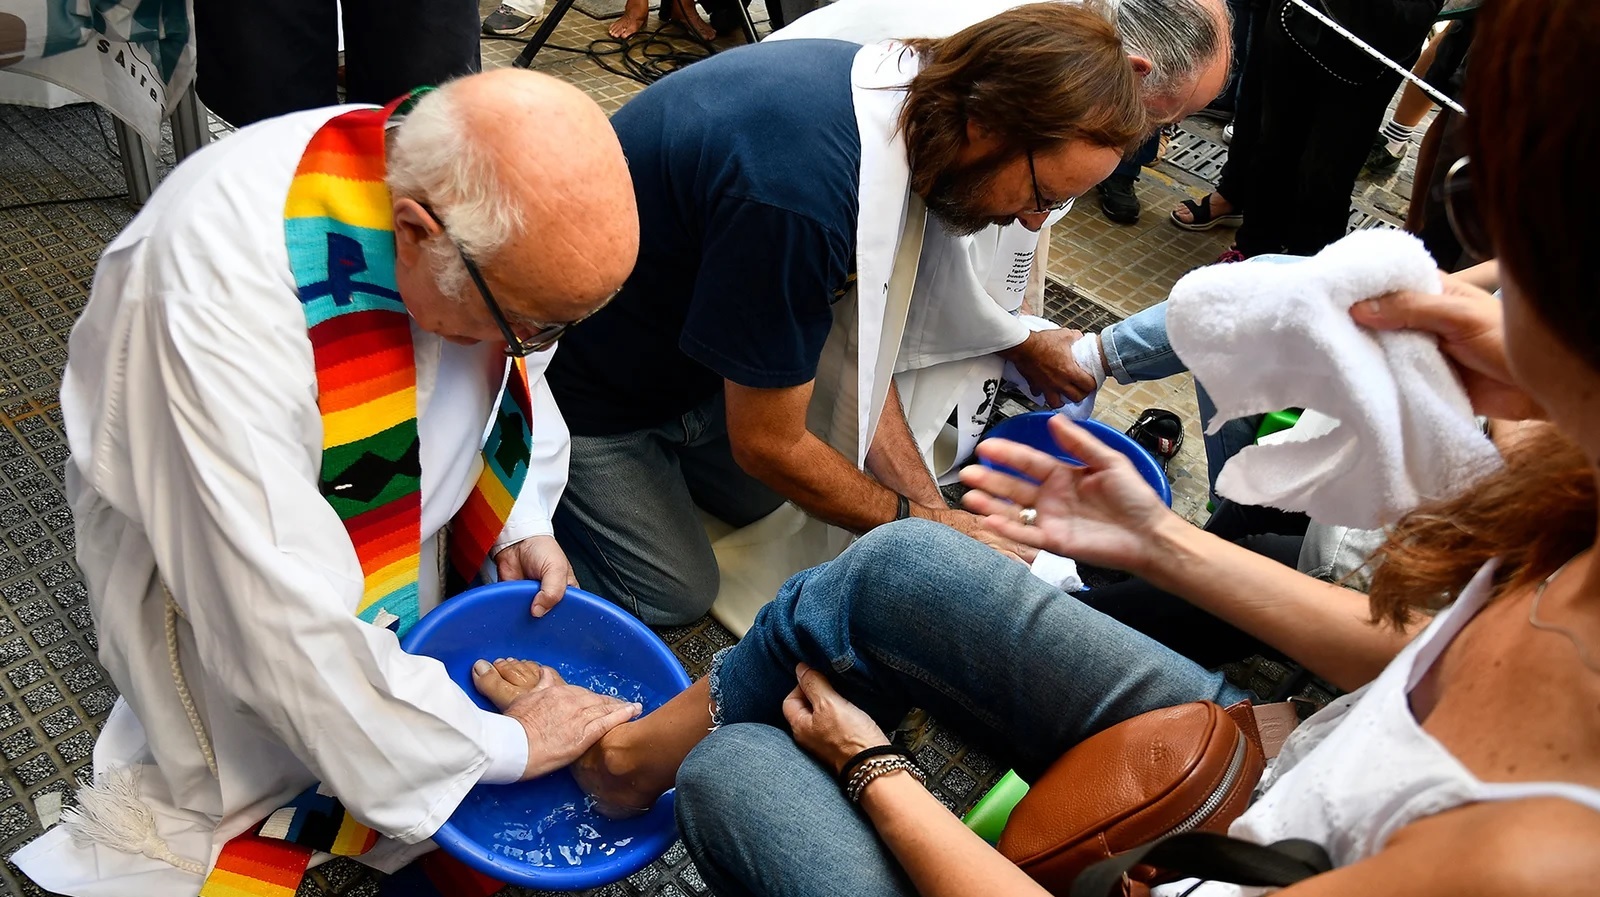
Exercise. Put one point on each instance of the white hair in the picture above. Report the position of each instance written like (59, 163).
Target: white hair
(1178, 37)
(434, 158)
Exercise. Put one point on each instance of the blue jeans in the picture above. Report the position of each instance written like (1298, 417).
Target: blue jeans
(914, 614)
(628, 520)
(1137, 349)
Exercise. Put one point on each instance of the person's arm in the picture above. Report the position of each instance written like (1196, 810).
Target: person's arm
(1521, 848)
(1484, 276)
(767, 431)
(894, 460)
(942, 856)
(1104, 513)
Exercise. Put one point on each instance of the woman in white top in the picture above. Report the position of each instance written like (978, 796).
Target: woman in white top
(1467, 760)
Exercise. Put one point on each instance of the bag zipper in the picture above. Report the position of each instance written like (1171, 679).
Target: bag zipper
(1216, 798)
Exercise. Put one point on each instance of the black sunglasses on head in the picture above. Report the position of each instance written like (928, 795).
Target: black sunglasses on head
(544, 335)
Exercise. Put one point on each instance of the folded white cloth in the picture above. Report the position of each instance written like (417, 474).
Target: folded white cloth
(1057, 571)
(1079, 410)
(1261, 337)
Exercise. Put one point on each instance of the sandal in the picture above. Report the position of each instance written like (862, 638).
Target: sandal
(1201, 217)
(1159, 432)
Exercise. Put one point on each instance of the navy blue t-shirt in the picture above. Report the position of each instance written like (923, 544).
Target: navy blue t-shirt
(746, 169)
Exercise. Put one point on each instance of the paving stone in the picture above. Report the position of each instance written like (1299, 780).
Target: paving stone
(18, 744)
(60, 723)
(35, 770)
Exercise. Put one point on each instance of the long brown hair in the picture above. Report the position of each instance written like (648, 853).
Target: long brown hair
(1033, 76)
(1528, 132)
(1533, 515)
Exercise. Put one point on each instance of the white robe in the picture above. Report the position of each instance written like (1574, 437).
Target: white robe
(190, 404)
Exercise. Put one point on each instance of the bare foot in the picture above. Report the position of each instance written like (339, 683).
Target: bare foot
(606, 773)
(562, 721)
(684, 13)
(509, 679)
(635, 763)
(633, 16)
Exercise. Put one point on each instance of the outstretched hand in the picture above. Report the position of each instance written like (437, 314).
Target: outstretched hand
(1103, 513)
(1470, 325)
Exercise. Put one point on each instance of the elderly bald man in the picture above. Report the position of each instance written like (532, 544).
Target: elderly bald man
(276, 401)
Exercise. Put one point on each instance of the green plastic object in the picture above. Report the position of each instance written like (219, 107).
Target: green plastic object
(1277, 421)
(988, 817)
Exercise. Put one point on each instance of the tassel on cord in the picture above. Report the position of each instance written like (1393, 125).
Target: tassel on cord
(110, 813)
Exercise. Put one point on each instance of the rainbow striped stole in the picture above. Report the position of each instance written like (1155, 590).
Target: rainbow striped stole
(339, 229)
(505, 468)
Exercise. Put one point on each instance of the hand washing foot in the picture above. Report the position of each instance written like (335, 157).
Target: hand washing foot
(636, 762)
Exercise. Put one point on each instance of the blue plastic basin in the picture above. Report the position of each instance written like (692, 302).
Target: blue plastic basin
(592, 643)
(1032, 429)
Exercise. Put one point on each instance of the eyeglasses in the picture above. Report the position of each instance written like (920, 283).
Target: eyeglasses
(1461, 210)
(1040, 207)
(544, 335)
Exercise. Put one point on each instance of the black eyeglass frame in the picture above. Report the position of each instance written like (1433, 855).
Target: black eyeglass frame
(545, 335)
(1039, 206)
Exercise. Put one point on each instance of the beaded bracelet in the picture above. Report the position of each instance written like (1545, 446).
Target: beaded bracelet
(882, 750)
(872, 770)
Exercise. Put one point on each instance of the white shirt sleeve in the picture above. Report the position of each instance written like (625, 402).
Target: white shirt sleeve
(547, 468)
(507, 742)
(202, 429)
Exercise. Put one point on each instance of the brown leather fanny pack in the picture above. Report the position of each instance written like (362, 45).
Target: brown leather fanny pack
(1166, 772)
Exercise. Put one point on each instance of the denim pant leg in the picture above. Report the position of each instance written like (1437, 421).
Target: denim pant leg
(1137, 349)
(630, 528)
(763, 819)
(918, 615)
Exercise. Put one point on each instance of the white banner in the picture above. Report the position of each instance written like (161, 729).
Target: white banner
(133, 57)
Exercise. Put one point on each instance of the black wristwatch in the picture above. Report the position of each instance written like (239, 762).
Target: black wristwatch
(903, 510)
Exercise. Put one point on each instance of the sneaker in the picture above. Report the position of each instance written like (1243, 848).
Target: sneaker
(507, 21)
(1380, 161)
(1227, 133)
(1118, 200)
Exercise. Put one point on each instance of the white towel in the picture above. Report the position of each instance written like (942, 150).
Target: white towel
(1262, 337)
(1079, 410)
(1057, 571)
